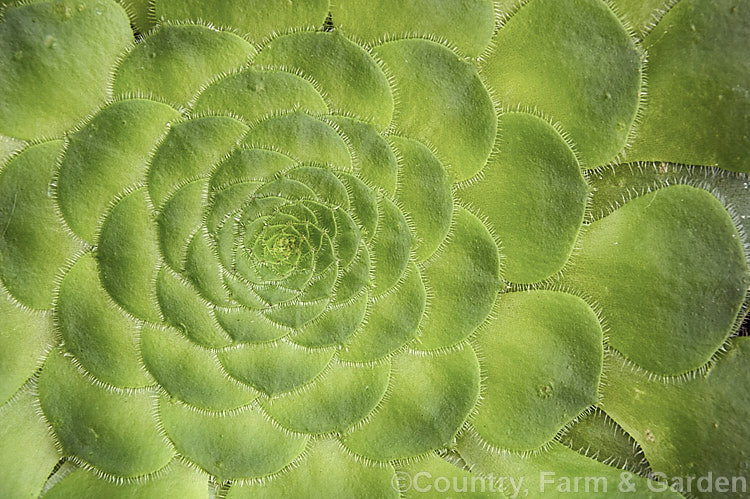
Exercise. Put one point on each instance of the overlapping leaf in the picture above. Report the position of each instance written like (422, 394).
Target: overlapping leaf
(295, 248)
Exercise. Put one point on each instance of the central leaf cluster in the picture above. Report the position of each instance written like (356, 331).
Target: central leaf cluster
(286, 237)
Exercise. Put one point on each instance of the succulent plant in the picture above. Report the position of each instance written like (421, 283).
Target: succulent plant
(300, 248)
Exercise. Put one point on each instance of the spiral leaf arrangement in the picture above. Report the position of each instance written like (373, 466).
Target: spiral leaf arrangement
(274, 248)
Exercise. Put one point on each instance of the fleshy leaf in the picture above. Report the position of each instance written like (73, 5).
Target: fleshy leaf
(25, 337)
(392, 321)
(374, 159)
(583, 70)
(425, 195)
(179, 220)
(107, 156)
(442, 102)
(55, 64)
(179, 480)
(598, 436)
(189, 151)
(328, 470)
(689, 427)
(335, 325)
(128, 256)
(557, 472)
(467, 25)
(537, 232)
(253, 94)
(543, 354)
(184, 309)
(34, 244)
(256, 19)
(275, 367)
(113, 431)
(346, 74)
(303, 138)
(189, 372)
(654, 265)
(699, 105)
(28, 453)
(641, 14)
(463, 281)
(391, 247)
(244, 444)
(335, 401)
(428, 399)
(102, 338)
(155, 67)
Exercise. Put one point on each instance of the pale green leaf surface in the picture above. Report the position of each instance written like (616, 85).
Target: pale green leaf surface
(463, 279)
(102, 338)
(28, 452)
(276, 253)
(682, 249)
(345, 73)
(155, 67)
(543, 363)
(537, 231)
(33, 241)
(582, 70)
(25, 337)
(180, 481)
(109, 154)
(243, 444)
(557, 472)
(55, 64)
(442, 102)
(327, 470)
(115, 432)
(257, 19)
(699, 100)
(688, 427)
(428, 399)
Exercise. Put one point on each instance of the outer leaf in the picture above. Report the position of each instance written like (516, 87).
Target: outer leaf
(56, 63)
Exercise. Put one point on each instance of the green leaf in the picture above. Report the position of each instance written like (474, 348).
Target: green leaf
(688, 427)
(556, 472)
(327, 469)
(441, 102)
(155, 67)
(463, 281)
(669, 270)
(428, 400)
(543, 364)
(467, 25)
(254, 94)
(28, 453)
(128, 256)
(242, 444)
(179, 479)
(345, 73)
(34, 242)
(56, 62)
(582, 70)
(334, 401)
(102, 338)
(107, 156)
(275, 367)
(699, 103)
(190, 373)
(256, 19)
(534, 197)
(25, 337)
(114, 431)
(424, 193)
